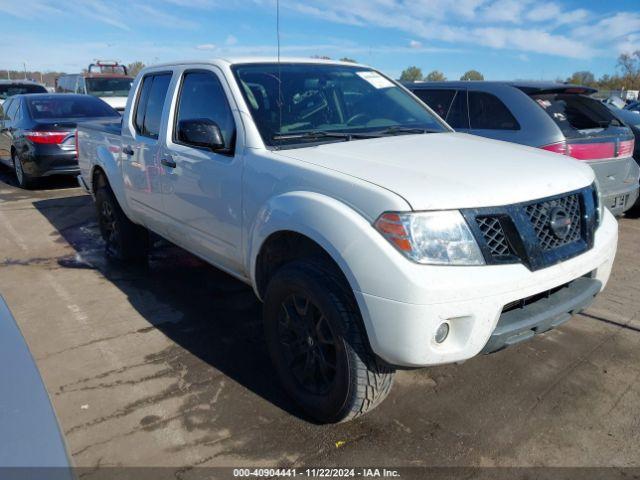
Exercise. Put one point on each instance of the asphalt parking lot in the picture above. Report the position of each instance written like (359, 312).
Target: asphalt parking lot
(165, 365)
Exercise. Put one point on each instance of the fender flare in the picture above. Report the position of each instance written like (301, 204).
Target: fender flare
(313, 215)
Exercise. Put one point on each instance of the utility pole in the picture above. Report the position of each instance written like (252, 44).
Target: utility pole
(24, 65)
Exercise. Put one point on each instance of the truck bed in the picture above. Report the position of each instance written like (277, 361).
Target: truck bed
(111, 127)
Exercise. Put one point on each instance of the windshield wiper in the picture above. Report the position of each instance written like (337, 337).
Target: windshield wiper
(399, 130)
(317, 134)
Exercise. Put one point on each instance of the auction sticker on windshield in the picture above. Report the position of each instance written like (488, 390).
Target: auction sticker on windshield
(375, 79)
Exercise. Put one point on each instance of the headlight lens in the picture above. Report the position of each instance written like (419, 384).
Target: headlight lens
(435, 238)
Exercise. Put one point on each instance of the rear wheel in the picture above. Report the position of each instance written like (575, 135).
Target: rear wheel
(124, 239)
(24, 180)
(319, 346)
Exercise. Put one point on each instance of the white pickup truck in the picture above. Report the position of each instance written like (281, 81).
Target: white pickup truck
(375, 236)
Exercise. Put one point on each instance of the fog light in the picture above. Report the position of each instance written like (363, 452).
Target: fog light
(442, 333)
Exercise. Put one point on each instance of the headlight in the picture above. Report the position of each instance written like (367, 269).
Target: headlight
(436, 238)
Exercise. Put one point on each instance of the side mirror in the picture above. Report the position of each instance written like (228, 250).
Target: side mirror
(202, 132)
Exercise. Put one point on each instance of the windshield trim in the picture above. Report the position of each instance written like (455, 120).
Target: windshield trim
(321, 141)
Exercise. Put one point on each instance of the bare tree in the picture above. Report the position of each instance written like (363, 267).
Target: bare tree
(134, 67)
(629, 64)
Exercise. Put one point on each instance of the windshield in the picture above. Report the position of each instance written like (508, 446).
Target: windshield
(64, 106)
(109, 87)
(328, 103)
(7, 90)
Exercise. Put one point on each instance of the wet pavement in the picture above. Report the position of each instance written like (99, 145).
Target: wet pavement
(165, 365)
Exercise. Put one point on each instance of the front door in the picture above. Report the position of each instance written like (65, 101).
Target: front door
(202, 188)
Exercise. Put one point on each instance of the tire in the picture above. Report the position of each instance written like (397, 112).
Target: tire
(24, 180)
(312, 320)
(124, 240)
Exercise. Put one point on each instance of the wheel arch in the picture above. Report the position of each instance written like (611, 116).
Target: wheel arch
(304, 222)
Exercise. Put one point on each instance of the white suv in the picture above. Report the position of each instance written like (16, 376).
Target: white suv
(375, 235)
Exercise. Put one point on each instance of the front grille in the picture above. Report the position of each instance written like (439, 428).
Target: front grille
(494, 236)
(540, 216)
(537, 234)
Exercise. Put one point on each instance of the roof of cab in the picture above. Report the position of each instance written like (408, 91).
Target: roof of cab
(249, 60)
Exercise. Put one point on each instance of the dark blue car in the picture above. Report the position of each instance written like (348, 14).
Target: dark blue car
(37, 133)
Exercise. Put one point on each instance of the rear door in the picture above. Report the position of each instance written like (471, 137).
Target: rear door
(202, 188)
(4, 124)
(141, 149)
(8, 109)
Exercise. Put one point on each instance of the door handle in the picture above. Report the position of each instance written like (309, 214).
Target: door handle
(168, 162)
(128, 150)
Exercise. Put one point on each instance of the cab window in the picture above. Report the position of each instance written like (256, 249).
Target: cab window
(148, 112)
(202, 97)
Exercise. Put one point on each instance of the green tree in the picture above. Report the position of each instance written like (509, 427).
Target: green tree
(435, 76)
(134, 67)
(582, 78)
(472, 75)
(411, 74)
(629, 64)
(347, 59)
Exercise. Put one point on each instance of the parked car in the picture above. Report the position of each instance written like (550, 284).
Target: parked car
(614, 101)
(556, 117)
(17, 87)
(632, 120)
(32, 444)
(375, 235)
(37, 133)
(107, 81)
(633, 106)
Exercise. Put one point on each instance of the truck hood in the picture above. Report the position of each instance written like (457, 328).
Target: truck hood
(451, 170)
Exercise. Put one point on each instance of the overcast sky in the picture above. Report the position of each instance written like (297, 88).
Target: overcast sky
(504, 39)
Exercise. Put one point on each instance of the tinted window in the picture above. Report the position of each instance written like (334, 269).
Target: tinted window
(458, 116)
(153, 104)
(573, 112)
(108, 87)
(70, 106)
(487, 112)
(141, 104)
(287, 101)
(202, 97)
(12, 109)
(6, 90)
(439, 100)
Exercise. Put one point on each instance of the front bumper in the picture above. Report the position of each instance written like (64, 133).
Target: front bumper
(471, 301)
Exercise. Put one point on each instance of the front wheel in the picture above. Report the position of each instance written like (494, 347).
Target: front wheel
(124, 240)
(319, 346)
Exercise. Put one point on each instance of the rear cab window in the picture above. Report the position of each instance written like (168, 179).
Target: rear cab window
(148, 111)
